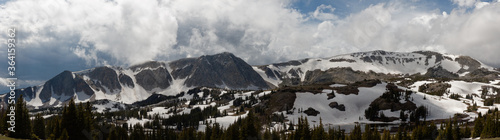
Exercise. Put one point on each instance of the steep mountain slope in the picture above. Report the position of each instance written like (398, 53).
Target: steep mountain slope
(353, 67)
(138, 82)
(224, 70)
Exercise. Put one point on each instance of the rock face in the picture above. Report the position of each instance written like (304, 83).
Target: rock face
(340, 75)
(222, 70)
(271, 73)
(63, 87)
(338, 106)
(150, 79)
(106, 79)
(434, 88)
(439, 72)
(126, 80)
(311, 112)
(151, 75)
(470, 63)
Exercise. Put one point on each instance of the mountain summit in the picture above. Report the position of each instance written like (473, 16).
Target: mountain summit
(225, 70)
(221, 70)
(349, 68)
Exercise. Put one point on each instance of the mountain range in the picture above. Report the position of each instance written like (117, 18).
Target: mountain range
(227, 71)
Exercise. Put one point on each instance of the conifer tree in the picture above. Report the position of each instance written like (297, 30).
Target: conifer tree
(319, 132)
(267, 135)
(249, 130)
(57, 129)
(417, 133)
(71, 121)
(399, 134)
(3, 121)
(275, 135)
(467, 131)
(39, 126)
(113, 134)
(138, 133)
(367, 135)
(376, 134)
(386, 135)
(356, 133)
(448, 130)
(216, 132)
(331, 133)
(488, 130)
(478, 127)
(23, 125)
(402, 116)
(456, 130)
(88, 117)
(64, 135)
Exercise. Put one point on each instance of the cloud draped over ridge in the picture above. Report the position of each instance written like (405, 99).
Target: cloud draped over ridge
(124, 32)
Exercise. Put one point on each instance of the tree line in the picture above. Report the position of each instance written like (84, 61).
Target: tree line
(78, 122)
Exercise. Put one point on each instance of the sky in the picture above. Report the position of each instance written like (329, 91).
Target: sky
(58, 35)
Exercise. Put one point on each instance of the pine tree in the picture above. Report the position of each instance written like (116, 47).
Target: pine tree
(488, 130)
(88, 117)
(367, 135)
(456, 130)
(113, 134)
(39, 126)
(216, 132)
(306, 131)
(3, 121)
(386, 135)
(399, 134)
(478, 127)
(331, 133)
(71, 122)
(356, 133)
(23, 125)
(233, 132)
(267, 135)
(405, 134)
(431, 131)
(467, 132)
(64, 135)
(275, 135)
(57, 128)
(417, 133)
(290, 126)
(138, 133)
(448, 130)
(319, 132)
(249, 130)
(82, 120)
(208, 131)
(402, 116)
(376, 134)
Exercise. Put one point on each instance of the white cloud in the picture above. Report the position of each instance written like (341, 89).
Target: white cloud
(324, 12)
(259, 31)
(480, 5)
(130, 31)
(465, 3)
